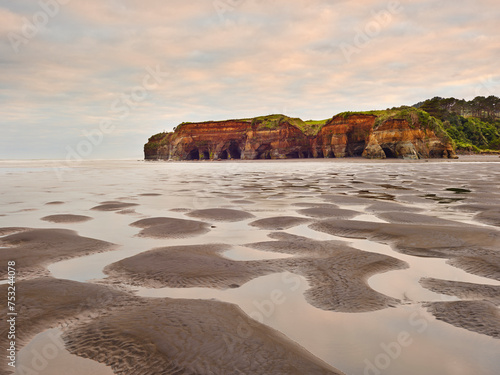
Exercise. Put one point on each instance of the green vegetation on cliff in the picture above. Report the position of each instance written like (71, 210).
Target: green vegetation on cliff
(155, 142)
(276, 121)
(416, 118)
(473, 125)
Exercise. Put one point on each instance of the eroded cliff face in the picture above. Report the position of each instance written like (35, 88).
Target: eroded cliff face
(396, 138)
(342, 136)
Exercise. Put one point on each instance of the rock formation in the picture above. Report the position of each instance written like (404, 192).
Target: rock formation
(403, 133)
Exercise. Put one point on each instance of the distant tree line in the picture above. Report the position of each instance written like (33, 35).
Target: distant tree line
(474, 125)
(485, 108)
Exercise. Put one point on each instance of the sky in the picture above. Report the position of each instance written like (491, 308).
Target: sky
(95, 79)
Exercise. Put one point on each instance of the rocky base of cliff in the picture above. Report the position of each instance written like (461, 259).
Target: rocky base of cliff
(408, 134)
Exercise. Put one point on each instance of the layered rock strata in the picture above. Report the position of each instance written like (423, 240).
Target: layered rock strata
(342, 136)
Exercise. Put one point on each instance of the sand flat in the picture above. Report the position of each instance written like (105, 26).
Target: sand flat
(189, 337)
(221, 214)
(66, 218)
(413, 218)
(336, 272)
(463, 290)
(339, 318)
(46, 302)
(471, 248)
(279, 222)
(491, 217)
(325, 212)
(136, 335)
(33, 249)
(113, 206)
(187, 266)
(477, 316)
(384, 206)
(167, 227)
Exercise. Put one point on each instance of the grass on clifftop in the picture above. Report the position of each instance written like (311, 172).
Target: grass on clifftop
(275, 121)
(416, 118)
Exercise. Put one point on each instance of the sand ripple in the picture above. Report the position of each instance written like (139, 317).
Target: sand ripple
(67, 218)
(337, 273)
(113, 206)
(474, 249)
(476, 316)
(491, 217)
(187, 266)
(33, 249)
(221, 214)
(167, 227)
(189, 337)
(463, 290)
(325, 212)
(45, 303)
(279, 222)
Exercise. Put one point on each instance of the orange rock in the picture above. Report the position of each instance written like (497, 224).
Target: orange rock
(341, 136)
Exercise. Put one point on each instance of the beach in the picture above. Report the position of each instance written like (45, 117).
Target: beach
(331, 266)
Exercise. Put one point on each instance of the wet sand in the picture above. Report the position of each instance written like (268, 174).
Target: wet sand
(221, 214)
(113, 206)
(465, 291)
(336, 272)
(473, 249)
(189, 337)
(136, 335)
(186, 266)
(279, 222)
(476, 316)
(66, 218)
(44, 303)
(34, 249)
(188, 230)
(167, 227)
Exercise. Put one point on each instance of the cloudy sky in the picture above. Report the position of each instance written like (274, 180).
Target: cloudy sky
(110, 73)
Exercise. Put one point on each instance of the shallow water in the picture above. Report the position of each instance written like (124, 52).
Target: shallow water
(355, 342)
(46, 355)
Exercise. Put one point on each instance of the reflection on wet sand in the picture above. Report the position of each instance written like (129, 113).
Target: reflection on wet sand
(352, 261)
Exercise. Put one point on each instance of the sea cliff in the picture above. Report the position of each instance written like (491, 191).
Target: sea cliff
(399, 133)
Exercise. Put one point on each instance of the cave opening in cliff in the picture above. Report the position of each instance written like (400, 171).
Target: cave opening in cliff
(264, 152)
(194, 155)
(234, 151)
(330, 154)
(356, 150)
(292, 155)
(205, 155)
(307, 154)
(388, 152)
(223, 155)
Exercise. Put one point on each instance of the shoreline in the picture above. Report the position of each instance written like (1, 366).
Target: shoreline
(347, 160)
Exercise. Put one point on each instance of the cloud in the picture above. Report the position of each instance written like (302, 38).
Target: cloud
(247, 58)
